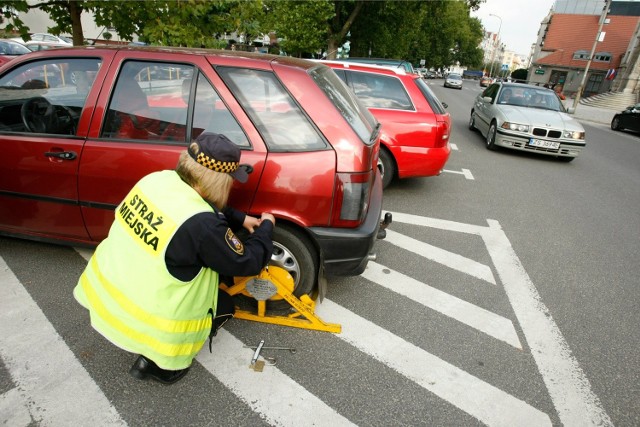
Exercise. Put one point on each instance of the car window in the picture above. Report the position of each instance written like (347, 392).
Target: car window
(351, 108)
(491, 91)
(278, 118)
(431, 98)
(46, 96)
(210, 114)
(379, 91)
(147, 102)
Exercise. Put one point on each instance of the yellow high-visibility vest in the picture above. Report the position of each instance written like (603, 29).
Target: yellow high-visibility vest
(132, 298)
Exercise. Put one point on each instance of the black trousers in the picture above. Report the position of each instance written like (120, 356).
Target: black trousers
(224, 310)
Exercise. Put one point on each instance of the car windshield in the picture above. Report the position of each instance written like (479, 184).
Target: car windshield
(454, 77)
(530, 97)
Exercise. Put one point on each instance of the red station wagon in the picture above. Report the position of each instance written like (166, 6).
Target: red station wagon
(79, 126)
(415, 125)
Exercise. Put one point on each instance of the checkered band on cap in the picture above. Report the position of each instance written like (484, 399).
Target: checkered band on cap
(217, 165)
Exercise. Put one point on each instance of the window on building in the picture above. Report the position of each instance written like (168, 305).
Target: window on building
(581, 54)
(602, 57)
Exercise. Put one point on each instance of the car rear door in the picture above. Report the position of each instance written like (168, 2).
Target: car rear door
(44, 118)
(152, 104)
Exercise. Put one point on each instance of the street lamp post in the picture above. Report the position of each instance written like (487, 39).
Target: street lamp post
(493, 51)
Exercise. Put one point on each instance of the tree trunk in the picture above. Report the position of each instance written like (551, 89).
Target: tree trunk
(332, 48)
(75, 11)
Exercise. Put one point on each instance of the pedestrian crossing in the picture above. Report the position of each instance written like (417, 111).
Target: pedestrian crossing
(52, 387)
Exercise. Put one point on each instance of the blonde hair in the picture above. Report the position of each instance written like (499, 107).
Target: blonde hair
(213, 186)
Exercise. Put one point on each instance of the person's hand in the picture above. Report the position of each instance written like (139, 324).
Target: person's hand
(250, 223)
(268, 217)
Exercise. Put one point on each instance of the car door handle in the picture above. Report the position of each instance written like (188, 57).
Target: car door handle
(64, 155)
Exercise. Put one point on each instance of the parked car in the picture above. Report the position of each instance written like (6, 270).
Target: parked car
(453, 80)
(399, 63)
(47, 38)
(71, 152)
(9, 49)
(629, 119)
(527, 118)
(485, 81)
(414, 140)
(35, 46)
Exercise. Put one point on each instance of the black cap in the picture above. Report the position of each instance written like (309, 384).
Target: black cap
(219, 154)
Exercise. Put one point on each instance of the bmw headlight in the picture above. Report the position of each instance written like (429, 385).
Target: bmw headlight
(515, 126)
(573, 134)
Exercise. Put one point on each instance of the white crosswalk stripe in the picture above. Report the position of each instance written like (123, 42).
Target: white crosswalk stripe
(474, 396)
(274, 390)
(51, 383)
(469, 314)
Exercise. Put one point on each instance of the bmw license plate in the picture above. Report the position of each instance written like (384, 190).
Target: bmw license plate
(544, 144)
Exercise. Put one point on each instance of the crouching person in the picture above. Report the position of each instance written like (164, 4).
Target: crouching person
(151, 287)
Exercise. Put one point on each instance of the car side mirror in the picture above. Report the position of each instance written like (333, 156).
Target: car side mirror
(487, 99)
(571, 110)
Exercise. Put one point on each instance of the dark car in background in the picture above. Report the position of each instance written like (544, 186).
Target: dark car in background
(414, 140)
(629, 119)
(73, 147)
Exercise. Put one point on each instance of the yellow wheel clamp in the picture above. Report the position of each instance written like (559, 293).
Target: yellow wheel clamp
(276, 283)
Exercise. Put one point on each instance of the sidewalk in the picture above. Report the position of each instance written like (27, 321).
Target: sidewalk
(591, 114)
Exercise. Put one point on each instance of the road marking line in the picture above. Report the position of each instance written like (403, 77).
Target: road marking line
(441, 256)
(567, 384)
(14, 409)
(275, 396)
(466, 172)
(477, 317)
(441, 224)
(454, 146)
(487, 403)
(34, 353)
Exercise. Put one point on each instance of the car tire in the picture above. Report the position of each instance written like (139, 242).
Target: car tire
(387, 167)
(294, 252)
(491, 136)
(615, 123)
(472, 121)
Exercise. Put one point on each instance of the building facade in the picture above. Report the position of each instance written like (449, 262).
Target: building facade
(567, 37)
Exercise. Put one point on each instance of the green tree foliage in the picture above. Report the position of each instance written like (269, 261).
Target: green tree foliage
(302, 25)
(439, 31)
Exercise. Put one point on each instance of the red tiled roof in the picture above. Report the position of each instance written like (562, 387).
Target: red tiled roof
(570, 33)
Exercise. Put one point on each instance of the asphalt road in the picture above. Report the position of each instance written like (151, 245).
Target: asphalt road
(504, 294)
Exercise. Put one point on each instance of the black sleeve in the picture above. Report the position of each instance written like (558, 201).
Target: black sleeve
(234, 217)
(206, 240)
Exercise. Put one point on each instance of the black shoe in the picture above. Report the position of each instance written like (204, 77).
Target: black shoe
(145, 368)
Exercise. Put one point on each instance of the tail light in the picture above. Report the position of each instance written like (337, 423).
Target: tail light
(351, 198)
(442, 134)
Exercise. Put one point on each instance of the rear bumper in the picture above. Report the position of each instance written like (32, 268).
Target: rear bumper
(420, 161)
(345, 251)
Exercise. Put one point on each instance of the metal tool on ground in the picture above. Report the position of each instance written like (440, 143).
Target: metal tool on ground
(290, 349)
(258, 365)
(275, 281)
